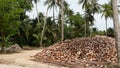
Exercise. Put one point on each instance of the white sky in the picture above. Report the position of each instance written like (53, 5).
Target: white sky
(99, 22)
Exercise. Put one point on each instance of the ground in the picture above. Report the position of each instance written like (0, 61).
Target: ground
(23, 60)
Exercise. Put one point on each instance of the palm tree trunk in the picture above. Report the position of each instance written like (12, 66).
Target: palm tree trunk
(3, 42)
(106, 26)
(27, 36)
(42, 35)
(62, 22)
(85, 27)
(37, 12)
(53, 14)
(90, 29)
(116, 27)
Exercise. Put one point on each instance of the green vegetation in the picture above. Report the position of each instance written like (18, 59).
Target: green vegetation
(17, 27)
(11, 12)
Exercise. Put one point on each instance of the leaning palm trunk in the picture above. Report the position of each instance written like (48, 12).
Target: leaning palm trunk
(42, 35)
(62, 21)
(116, 27)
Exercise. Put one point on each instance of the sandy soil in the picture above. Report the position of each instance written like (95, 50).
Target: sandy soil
(23, 60)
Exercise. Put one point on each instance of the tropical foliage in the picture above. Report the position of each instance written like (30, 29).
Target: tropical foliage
(17, 27)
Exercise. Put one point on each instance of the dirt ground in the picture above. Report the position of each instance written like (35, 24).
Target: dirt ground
(23, 60)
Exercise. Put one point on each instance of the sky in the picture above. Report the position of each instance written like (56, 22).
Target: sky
(99, 22)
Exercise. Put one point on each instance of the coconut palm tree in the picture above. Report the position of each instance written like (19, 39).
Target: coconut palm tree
(36, 1)
(90, 7)
(45, 22)
(107, 12)
(62, 21)
(116, 27)
(62, 5)
(84, 3)
(84, 6)
(51, 4)
(94, 7)
(88, 19)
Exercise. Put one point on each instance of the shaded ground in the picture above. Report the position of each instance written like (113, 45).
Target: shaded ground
(22, 60)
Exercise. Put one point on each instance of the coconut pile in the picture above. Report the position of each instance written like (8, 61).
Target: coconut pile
(88, 49)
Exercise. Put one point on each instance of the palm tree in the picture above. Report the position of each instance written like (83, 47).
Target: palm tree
(88, 19)
(94, 7)
(45, 22)
(62, 21)
(35, 1)
(51, 4)
(116, 27)
(84, 3)
(38, 28)
(84, 6)
(63, 5)
(90, 7)
(107, 12)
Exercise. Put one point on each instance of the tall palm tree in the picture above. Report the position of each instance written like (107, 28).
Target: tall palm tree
(90, 7)
(88, 19)
(63, 5)
(107, 12)
(116, 27)
(84, 6)
(36, 1)
(45, 22)
(84, 3)
(94, 7)
(51, 4)
(62, 21)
